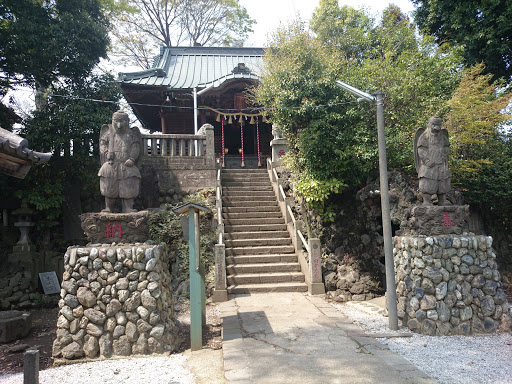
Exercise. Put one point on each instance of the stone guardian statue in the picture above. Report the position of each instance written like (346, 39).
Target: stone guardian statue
(431, 154)
(120, 148)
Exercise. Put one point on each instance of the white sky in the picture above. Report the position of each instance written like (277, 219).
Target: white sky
(270, 13)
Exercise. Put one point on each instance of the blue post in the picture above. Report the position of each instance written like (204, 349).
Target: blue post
(196, 270)
(196, 321)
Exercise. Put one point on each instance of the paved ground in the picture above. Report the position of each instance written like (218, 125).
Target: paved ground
(295, 338)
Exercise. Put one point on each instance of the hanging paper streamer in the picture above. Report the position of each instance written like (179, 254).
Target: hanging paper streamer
(242, 140)
(258, 141)
(222, 124)
(233, 115)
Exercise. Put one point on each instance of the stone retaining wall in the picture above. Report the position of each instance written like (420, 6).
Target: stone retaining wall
(448, 285)
(115, 300)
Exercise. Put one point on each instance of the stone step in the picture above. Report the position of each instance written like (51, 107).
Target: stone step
(254, 228)
(238, 209)
(263, 250)
(259, 259)
(260, 256)
(254, 221)
(250, 204)
(247, 215)
(233, 193)
(243, 176)
(253, 199)
(227, 182)
(263, 288)
(259, 242)
(258, 188)
(256, 235)
(262, 268)
(246, 183)
(244, 171)
(265, 278)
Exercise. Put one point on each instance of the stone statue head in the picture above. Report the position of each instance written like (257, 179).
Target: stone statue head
(435, 123)
(120, 121)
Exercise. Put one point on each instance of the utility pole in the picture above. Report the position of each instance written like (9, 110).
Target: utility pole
(384, 200)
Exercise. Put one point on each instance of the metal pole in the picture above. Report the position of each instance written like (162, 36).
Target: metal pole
(386, 217)
(195, 120)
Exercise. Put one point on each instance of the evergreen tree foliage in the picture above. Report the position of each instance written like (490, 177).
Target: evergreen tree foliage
(482, 27)
(333, 138)
(42, 41)
(69, 127)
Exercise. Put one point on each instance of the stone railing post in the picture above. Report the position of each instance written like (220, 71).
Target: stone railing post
(154, 147)
(316, 286)
(220, 292)
(298, 228)
(279, 186)
(210, 150)
(287, 216)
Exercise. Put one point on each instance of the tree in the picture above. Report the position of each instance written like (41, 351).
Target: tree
(483, 28)
(333, 139)
(145, 24)
(42, 41)
(214, 22)
(344, 27)
(69, 127)
(298, 79)
(475, 118)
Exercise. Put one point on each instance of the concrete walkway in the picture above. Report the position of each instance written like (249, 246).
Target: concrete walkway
(295, 338)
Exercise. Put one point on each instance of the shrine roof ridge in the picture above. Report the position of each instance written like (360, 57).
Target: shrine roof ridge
(191, 67)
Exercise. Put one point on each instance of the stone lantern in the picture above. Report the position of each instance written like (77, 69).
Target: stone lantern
(24, 223)
(24, 253)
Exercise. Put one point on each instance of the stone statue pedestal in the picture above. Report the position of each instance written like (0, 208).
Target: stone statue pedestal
(431, 220)
(279, 148)
(279, 145)
(448, 284)
(107, 228)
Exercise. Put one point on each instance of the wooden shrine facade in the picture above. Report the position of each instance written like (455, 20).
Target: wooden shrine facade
(208, 82)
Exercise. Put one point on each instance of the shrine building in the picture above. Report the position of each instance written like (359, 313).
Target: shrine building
(188, 87)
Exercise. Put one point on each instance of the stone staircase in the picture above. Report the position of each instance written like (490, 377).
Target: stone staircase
(260, 256)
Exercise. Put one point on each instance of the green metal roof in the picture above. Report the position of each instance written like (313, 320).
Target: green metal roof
(198, 67)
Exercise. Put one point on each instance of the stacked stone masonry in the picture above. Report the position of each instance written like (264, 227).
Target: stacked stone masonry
(116, 300)
(448, 285)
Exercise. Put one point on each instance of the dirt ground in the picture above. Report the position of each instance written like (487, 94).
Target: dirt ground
(43, 333)
(41, 336)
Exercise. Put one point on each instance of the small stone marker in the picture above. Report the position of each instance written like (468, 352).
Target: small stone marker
(49, 282)
(31, 367)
